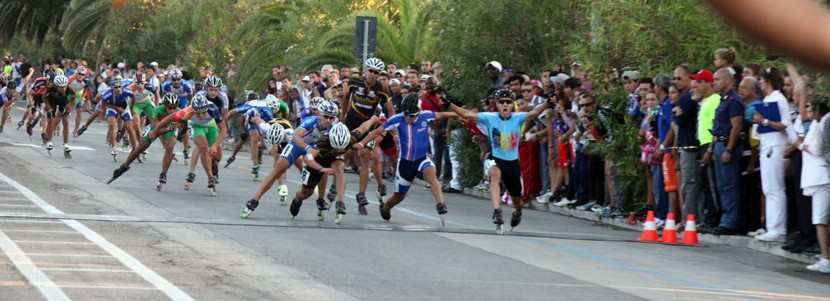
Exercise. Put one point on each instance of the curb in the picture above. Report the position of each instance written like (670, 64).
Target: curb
(733, 241)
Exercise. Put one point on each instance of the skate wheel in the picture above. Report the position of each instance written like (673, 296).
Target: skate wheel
(158, 187)
(338, 219)
(500, 229)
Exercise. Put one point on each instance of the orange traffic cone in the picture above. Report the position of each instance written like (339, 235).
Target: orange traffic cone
(670, 231)
(690, 233)
(649, 229)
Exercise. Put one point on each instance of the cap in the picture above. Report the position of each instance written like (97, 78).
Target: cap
(631, 75)
(494, 64)
(559, 78)
(121, 65)
(536, 83)
(425, 77)
(306, 78)
(704, 75)
(400, 72)
(394, 82)
(154, 64)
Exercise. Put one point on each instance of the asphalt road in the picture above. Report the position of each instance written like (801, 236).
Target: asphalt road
(65, 234)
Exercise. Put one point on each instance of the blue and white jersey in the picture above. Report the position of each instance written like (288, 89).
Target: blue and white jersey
(413, 138)
(311, 126)
(262, 112)
(250, 105)
(184, 91)
(120, 100)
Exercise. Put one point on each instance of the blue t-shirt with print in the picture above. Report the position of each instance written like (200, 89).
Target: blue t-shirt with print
(503, 134)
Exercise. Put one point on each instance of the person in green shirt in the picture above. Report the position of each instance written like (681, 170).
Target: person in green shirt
(169, 105)
(709, 102)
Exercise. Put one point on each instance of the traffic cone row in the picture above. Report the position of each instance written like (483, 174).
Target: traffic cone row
(669, 231)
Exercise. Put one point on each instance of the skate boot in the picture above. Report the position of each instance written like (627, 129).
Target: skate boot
(29, 128)
(322, 206)
(212, 186)
(340, 208)
(215, 168)
(295, 207)
(497, 219)
(43, 138)
(162, 181)
(442, 211)
(114, 155)
(118, 172)
(381, 191)
(282, 190)
(255, 173)
(516, 219)
(332, 194)
(361, 203)
(385, 213)
(230, 160)
(20, 124)
(186, 157)
(249, 208)
(81, 130)
(188, 182)
(49, 148)
(143, 155)
(67, 152)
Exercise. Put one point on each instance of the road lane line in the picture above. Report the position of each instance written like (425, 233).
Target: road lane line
(48, 242)
(40, 231)
(29, 221)
(173, 292)
(86, 270)
(32, 273)
(68, 255)
(111, 287)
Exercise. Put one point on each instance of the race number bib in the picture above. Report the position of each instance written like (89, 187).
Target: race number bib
(286, 152)
(304, 175)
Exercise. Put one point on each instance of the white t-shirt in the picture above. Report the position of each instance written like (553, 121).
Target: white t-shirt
(777, 138)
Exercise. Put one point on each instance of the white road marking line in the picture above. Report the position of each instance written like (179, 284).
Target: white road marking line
(29, 221)
(40, 231)
(27, 144)
(9, 191)
(18, 205)
(47, 242)
(34, 275)
(125, 258)
(67, 255)
(115, 287)
(86, 270)
(78, 147)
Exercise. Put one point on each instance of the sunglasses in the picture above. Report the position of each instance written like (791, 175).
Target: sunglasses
(176, 80)
(201, 111)
(329, 117)
(505, 101)
(373, 71)
(676, 78)
(413, 115)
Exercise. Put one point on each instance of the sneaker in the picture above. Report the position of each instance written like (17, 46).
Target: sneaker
(770, 237)
(448, 189)
(598, 209)
(544, 198)
(822, 266)
(616, 212)
(564, 202)
(586, 206)
(660, 223)
(757, 232)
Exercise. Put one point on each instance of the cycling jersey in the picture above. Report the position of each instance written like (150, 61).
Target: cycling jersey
(312, 133)
(210, 118)
(220, 101)
(39, 86)
(503, 133)
(57, 99)
(413, 138)
(120, 100)
(326, 154)
(183, 92)
(365, 99)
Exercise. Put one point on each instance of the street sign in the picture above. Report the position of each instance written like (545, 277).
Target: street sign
(365, 37)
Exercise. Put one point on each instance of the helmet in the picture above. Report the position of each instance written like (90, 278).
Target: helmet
(410, 104)
(329, 108)
(375, 64)
(169, 99)
(275, 135)
(251, 95)
(504, 93)
(316, 102)
(272, 102)
(60, 81)
(200, 103)
(339, 136)
(213, 81)
(117, 82)
(175, 74)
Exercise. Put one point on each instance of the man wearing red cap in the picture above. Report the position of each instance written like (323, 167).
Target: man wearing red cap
(704, 92)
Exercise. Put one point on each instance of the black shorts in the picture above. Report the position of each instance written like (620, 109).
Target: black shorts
(407, 172)
(310, 177)
(353, 122)
(511, 176)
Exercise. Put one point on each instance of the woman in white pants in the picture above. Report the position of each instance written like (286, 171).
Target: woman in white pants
(773, 136)
(815, 178)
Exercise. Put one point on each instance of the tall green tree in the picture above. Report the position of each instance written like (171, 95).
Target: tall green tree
(31, 19)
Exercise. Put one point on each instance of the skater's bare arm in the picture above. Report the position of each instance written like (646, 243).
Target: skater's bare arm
(445, 115)
(298, 138)
(466, 114)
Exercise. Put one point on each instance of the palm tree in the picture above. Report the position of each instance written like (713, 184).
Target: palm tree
(31, 19)
(84, 25)
(403, 36)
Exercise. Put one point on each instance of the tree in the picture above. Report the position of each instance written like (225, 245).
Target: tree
(31, 19)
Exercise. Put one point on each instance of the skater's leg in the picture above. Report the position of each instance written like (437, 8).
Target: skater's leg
(364, 165)
(169, 146)
(112, 126)
(202, 149)
(431, 178)
(65, 122)
(194, 159)
(339, 179)
(279, 168)
(254, 140)
(495, 186)
(377, 164)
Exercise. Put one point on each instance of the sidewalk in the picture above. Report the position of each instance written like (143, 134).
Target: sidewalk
(735, 241)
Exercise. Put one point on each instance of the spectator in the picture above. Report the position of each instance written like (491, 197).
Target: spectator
(772, 132)
(685, 118)
(664, 137)
(726, 131)
(630, 81)
(750, 91)
(493, 70)
(709, 101)
(815, 178)
(413, 78)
